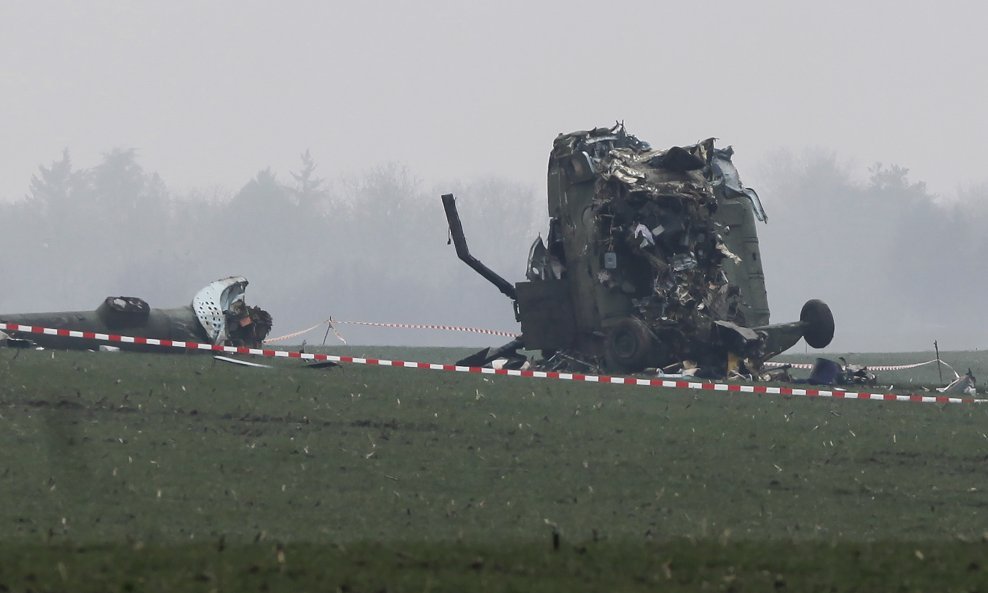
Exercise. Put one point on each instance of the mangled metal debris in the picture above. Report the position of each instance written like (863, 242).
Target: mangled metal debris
(651, 261)
(218, 314)
(245, 363)
(11, 342)
(856, 374)
(830, 372)
(961, 385)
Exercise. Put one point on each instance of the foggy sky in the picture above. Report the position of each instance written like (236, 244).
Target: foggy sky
(209, 93)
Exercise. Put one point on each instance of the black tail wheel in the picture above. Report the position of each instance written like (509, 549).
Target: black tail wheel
(628, 345)
(818, 323)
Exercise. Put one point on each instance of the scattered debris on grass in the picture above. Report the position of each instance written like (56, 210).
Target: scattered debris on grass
(961, 385)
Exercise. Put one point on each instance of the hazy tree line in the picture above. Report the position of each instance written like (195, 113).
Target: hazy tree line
(371, 246)
(898, 268)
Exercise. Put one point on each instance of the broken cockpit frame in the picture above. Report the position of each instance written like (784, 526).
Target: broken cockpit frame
(651, 260)
(218, 314)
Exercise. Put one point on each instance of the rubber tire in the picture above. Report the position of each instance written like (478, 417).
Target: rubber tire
(628, 345)
(819, 323)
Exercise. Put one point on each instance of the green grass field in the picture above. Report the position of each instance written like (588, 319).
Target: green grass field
(140, 472)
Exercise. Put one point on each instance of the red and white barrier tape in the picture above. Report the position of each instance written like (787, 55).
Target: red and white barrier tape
(894, 367)
(300, 332)
(494, 332)
(453, 328)
(671, 384)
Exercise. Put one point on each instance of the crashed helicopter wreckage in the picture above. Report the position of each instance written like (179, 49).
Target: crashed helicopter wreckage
(217, 315)
(651, 261)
